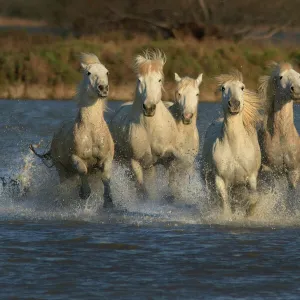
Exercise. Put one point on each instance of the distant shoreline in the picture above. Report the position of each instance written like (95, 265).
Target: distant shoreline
(47, 67)
(63, 92)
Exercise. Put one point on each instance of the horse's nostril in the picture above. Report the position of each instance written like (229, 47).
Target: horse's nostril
(229, 104)
(103, 87)
(188, 115)
(292, 88)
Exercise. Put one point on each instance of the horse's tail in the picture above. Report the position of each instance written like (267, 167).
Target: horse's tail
(45, 157)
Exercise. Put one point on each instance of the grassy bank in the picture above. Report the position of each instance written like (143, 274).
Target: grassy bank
(47, 67)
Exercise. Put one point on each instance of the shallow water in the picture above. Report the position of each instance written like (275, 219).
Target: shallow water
(51, 248)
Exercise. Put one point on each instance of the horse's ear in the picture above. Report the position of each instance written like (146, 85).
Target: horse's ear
(177, 77)
(83, 66)
(199, 79)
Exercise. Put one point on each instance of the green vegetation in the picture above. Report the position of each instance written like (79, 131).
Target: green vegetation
(33, 66)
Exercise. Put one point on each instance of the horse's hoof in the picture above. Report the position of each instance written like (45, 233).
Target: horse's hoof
(84, 193)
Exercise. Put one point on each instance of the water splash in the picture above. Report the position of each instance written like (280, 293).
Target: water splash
(40, 197)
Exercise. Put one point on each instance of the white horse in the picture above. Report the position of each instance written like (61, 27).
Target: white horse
(184, 111)
(280, 143)
(145, 132)
(85, 145)
(231, 153)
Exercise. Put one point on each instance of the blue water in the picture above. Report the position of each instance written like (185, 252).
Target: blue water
(51, 248)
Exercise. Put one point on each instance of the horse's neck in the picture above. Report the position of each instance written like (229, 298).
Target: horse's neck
(137, 108)
(281, 119)
(233, 128)
(161, 113)
(91, 114)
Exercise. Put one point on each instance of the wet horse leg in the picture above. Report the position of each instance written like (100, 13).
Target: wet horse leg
(106, 175)
(81, 168)
(149, 182)
(253, 197)
(138, 173)
(223, 193)
(293, 179)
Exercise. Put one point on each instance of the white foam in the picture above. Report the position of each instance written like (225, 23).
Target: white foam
(47, 199)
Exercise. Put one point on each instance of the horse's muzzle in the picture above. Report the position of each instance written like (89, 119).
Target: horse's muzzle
(295, 93)
(187, 118)
(234, 107)
(149, 111)
(103, 90)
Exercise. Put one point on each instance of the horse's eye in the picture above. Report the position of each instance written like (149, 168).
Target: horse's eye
(280, 77)
(223, 88)
(88, 73)
(159, 80)
(197, 95)
(107, 73)
(179, 94)
(242, 88)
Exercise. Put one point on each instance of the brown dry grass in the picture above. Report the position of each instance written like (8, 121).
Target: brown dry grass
(47, 67)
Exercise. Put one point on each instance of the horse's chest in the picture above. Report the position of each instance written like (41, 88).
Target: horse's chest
(236, 163)
(92, 146)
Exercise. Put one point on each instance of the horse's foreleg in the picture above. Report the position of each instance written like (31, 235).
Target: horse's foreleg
(106, 175)
(179, 173)
(266, 181)
(138, 173)
(223, 193)
(253, 198)
(81, 168)
(149, 182)
(293, 179)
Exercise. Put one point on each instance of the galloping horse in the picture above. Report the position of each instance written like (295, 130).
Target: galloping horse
(231, 153)
(85, 144)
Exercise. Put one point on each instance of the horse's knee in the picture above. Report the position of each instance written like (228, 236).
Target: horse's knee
(221, 189)
(137, 170)
(252, 182)
(79, 165)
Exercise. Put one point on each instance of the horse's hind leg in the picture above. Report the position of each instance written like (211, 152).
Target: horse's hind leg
(81, 168)
(106, 175)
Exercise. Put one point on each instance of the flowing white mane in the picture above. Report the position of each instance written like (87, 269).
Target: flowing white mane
(150, 61)
(89, 59)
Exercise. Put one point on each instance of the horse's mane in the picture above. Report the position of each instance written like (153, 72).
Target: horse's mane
(152, 60)
(89, 58)
(186, 82)
(267, 83)
(252, 104)
(234, 75)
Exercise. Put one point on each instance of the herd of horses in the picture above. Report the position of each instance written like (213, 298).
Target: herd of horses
(255, 140)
